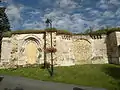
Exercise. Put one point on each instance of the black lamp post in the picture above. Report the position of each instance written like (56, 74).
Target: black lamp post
(49, 25)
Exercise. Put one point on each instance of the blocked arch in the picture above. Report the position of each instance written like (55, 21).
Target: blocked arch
(34, 38)
(38, 43)
(83, 39)
(82, 50)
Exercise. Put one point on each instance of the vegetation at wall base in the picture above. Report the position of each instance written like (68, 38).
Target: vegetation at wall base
(95, 75)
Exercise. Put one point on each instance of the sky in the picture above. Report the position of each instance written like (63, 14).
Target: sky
(72, 15)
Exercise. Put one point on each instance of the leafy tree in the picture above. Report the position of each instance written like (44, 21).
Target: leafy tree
(4, 24)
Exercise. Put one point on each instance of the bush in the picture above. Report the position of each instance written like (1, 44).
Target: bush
(7, 34)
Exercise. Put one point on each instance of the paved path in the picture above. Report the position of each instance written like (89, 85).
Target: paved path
(12, 82)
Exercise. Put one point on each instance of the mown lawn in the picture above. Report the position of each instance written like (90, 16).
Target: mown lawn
(104, 76)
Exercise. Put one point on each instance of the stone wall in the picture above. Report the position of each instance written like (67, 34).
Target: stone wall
(71, 49)
(23, 40)
(99, 50)
(13, 49)
(6, 50)
(82, 49)
(112, 48)
(118, 46)
(65, 55)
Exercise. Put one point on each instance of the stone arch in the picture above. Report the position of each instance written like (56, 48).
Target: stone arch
(31, 37)
(29, 42)
(83, 39)
(82, 51)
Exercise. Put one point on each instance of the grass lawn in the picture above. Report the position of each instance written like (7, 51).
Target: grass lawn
(104, 76)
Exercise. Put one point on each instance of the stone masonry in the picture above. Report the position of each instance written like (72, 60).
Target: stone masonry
(23, 49)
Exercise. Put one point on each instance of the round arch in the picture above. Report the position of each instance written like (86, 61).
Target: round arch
(82, 50)
(34, 38)
(83, 39)
(31, 48)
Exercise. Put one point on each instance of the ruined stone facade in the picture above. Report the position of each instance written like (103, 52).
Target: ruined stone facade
(22, 49)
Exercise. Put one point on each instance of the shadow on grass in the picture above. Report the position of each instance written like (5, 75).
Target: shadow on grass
(76, 88)
(17, 88)
(114, 72)
(1, 78)
(50, 72)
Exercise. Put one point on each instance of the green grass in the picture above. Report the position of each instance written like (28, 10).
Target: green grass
(103, 76)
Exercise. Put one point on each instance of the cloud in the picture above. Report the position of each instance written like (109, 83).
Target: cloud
(73, 15)
(60, 16)
(114, 2)
(62, 20)
(67, 4)
(34, 25)
(35, 12)
(88, 8)
(103, 4)
(108, 4)
(117, 13)
(14, 15)
(108, 14)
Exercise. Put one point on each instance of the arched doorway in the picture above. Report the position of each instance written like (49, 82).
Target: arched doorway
(31, 52)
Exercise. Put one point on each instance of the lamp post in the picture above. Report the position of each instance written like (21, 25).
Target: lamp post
(49, 25)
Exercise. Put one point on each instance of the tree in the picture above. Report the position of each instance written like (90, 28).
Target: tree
(4, 24)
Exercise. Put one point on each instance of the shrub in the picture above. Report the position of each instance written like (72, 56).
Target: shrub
(7, 34)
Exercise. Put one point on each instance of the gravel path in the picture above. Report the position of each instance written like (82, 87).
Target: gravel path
(21, 83)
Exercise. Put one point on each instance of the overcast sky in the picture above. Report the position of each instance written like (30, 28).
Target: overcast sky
(73, 15)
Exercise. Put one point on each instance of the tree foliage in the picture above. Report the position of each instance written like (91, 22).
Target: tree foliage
(4, 22)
